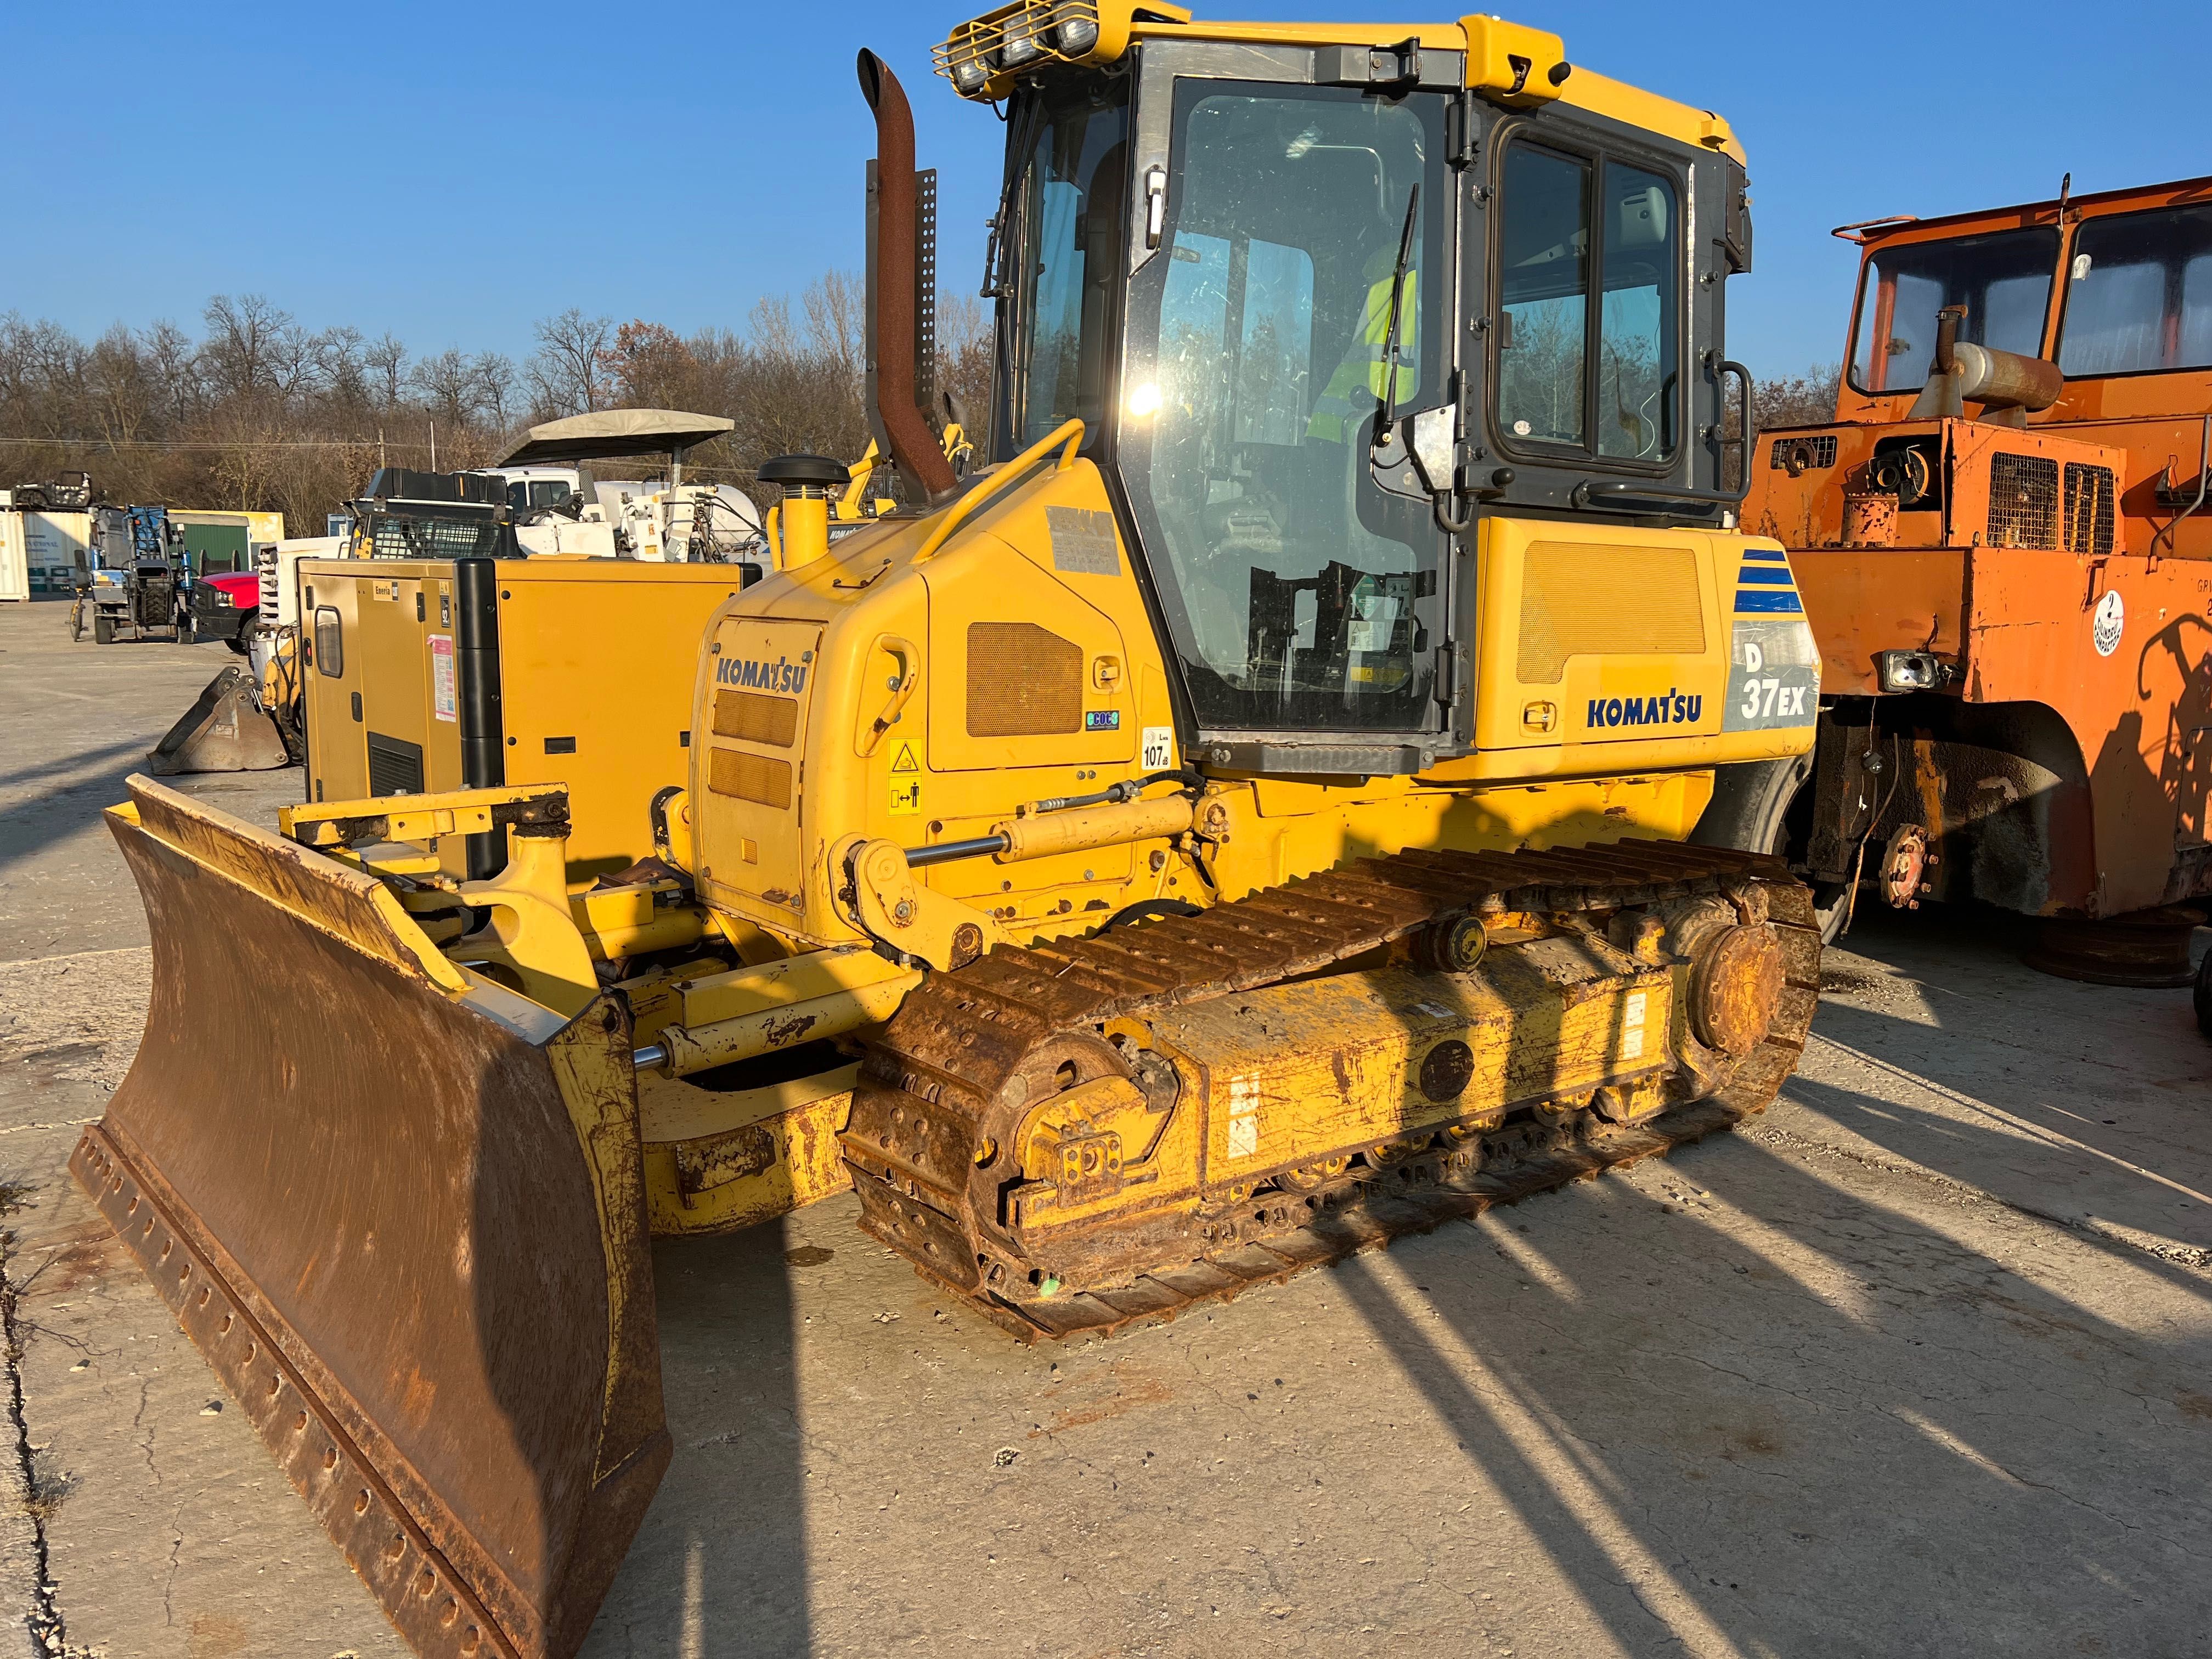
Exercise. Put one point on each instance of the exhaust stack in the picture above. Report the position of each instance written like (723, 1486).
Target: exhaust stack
(895, 320)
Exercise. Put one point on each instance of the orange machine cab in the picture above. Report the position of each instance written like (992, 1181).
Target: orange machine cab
(2010, 595)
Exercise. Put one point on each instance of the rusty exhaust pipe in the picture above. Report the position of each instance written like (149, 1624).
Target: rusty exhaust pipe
(914, 448)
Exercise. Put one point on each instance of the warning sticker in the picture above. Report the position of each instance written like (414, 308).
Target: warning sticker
(1159, 748)
(1631, 1024)
(443, 701)
(905, 760)
(1083, 541)
(905, 795)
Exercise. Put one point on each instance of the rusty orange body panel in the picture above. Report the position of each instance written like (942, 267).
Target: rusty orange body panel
(2049, 571)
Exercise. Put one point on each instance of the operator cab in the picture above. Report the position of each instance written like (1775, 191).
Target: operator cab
(1321, 310)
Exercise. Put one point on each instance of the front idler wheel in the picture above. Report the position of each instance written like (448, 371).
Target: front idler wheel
(1735, 987)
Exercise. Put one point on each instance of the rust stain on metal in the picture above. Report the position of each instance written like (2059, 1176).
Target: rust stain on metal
(782, 1033)
(493, 1522)
(710, 1162)
(956, 1117)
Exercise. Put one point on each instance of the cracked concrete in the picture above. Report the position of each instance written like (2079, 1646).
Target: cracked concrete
(1915, 1363)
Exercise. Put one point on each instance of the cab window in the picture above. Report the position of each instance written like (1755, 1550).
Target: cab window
(2003, 281)
(2139, 294)
(1589, 253)
(1066, 205)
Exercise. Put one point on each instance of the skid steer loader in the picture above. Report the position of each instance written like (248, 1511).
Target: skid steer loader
(1243, 821)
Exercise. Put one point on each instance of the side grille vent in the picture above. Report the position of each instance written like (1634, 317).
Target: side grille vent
(756, 778)
(1580, 600)
(751, 718)
(395, 765)
(2023, 501)
(1024, 681)
(2090, 498)
(1796, 455)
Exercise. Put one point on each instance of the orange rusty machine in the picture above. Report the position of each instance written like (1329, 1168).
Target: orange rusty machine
(2004, 545)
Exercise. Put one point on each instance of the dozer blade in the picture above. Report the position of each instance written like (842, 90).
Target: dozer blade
(224, 731)
(400, 1210)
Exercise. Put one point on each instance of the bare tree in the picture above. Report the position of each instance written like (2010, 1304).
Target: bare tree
(125, 394)
(964, 359)
(495, 388)
(837, 319)
(567, 375)
(1804, 399)
(241, 345)
(768, 328)
(295, 361)
(173, 361)
(345, 371)
(386, 361)
(449, 386)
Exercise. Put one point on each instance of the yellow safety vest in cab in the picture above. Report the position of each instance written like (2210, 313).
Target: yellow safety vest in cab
(1361, 377)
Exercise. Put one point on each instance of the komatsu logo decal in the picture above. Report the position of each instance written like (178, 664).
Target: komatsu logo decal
(1675, 707)
(782, 675)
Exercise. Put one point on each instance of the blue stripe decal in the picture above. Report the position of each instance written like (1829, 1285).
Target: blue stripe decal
(1754, 602)
(1773, 555)
(1767, 578)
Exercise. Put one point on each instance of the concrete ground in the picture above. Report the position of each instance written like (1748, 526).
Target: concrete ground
(1920, 1362)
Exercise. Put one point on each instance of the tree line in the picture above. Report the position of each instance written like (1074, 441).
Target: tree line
(258, 412)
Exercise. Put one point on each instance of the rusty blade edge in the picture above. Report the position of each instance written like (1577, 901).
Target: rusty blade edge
(151, 1230)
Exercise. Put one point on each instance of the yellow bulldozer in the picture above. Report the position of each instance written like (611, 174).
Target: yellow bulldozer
(1244, 819)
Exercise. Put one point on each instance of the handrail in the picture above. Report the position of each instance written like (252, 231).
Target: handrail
(909, 656)
(1069, 433)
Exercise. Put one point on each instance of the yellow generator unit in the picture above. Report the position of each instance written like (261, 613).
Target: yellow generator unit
(1244, 819)
(422, 676)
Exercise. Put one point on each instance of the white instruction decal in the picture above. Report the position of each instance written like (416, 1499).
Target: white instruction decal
(444, 702)
(1632, 1025)
(1159, 748)
(1244, 1117)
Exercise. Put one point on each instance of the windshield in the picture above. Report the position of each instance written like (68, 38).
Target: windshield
(2003, 281)
(1259, 348)
(2139, 294)
(1067, 226)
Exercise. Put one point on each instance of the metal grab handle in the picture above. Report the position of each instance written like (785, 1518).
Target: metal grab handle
(1748, 437)
(909, 656)
(1066, 438)
(2204, 479)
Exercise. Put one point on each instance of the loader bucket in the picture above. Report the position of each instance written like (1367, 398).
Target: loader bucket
(400, 1210)
(225, 731)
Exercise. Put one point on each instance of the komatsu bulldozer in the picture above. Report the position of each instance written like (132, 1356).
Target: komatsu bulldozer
(1243, 819)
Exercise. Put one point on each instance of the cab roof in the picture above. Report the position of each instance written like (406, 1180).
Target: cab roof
(1509, 64)
(2177, 193)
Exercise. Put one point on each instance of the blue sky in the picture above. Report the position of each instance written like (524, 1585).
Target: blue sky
(451, 173)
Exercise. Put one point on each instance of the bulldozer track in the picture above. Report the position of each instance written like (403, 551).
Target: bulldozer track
(962, 1037)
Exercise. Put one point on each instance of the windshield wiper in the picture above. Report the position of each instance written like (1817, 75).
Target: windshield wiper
(999, 252)
(1386, 400)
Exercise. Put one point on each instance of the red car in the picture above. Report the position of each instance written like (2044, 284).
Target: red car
(224, 607)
